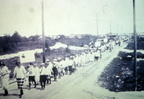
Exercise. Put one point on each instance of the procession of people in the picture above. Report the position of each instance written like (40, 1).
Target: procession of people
(40, 75)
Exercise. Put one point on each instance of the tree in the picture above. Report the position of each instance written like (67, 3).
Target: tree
(68, 50)
(34, 38)
(24, 39)
(16, 37)
(47, 48)
(6, 39)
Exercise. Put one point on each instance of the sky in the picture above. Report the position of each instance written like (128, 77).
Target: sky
(70, 17)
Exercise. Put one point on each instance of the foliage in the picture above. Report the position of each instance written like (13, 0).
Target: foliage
(15, 43)
(9, 44)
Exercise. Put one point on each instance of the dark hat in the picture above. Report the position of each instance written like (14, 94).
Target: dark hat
(47, 63)
(17, 63)
(2, 64)
(31, 63)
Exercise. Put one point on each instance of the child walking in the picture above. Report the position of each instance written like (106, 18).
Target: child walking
(43, 76)
(4, 74)
(19, 74)
(31, 75)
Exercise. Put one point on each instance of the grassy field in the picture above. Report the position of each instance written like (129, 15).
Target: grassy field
(119, 75)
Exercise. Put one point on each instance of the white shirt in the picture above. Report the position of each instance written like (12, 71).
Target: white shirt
(68, 62)
(37, 71)
(71, 62)
(4, 71)
(63, 64)
(19, 72)
(48, 70)
(31, 71)
(43, 71)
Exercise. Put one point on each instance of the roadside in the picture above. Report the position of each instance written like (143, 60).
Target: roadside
(80, 85)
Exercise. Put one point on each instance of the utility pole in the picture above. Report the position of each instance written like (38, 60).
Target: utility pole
(121, 29)
(43, 35)
(118, 32)
(97, 24)
(110, 27)
(135, 45)
(117, 29)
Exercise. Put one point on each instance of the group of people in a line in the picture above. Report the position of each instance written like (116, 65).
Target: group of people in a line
(41, 74)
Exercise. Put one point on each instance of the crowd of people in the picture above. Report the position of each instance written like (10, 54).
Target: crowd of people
(42, 74)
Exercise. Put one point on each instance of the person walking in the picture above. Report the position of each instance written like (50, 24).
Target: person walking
(37, 73)
(55, 71)
(42, 76)
(4, 74)
(31, 78)
(48, 73)
(66, 64)
(19, 74)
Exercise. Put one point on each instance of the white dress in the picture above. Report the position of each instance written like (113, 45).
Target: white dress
(20, 72)
(37, 73)
(4, 73)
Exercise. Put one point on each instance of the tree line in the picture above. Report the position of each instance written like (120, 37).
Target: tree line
(16, 42)
(10, 44)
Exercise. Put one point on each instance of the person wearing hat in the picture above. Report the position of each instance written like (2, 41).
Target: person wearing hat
(48, 60)
(42, 76)
(48, 73)
(66, 64)
(4, 74)
(62, 65)
(70, 65)
(37, 73)
(59, 67)
(55, 70)
(19, 74)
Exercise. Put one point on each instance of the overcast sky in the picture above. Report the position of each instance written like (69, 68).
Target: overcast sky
(69, 16)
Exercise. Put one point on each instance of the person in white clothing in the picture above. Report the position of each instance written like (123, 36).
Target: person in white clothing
(37, 73)
(42, 76)
(62, 64)
(19, 74)
(48, 73)
(4, 74)
(59, 67)
(55, 71)
(71, 65)
(66, 64)
(31, 75)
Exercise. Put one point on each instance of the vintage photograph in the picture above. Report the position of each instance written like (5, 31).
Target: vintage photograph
(72, 49)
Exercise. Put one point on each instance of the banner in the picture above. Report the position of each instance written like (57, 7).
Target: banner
(27, 56)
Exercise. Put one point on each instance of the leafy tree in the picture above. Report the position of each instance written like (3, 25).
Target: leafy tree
(68, 50)
(5, 45)
(6, 39)
(34, 38)
(16, 37)
(24, 39)
(47, 47)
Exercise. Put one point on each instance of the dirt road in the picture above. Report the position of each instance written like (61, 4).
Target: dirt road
(80, 85)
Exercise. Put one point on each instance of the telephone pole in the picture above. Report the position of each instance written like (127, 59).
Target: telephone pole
(117, 29)
(43, 34)
(97, 24)
(110, 28)
(135, 45)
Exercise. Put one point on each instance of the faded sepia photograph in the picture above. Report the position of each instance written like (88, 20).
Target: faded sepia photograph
(72, 49)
